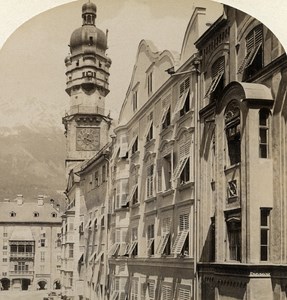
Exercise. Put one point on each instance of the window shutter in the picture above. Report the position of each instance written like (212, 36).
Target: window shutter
(184, 294)
(124, 147)
(166, 292)
(179, 168)
(163, 243)
(183, 222)
(180, 103)
(179, 242)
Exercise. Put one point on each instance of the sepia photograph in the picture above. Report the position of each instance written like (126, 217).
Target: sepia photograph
(143, 150)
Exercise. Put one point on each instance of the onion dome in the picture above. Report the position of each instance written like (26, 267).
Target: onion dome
(88, 36)
(89, 8)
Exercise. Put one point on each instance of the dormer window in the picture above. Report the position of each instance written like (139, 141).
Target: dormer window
(253, 61)
(12, 214)
(54, 215)
(36, 214)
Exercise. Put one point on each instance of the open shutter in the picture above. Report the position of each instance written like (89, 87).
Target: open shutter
(181, 101)
(179, 242)
(163, 243)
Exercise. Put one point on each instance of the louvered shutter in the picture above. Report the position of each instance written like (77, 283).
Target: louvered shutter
(254, 41)
(181, 102)
(124, 192)
(163, 243)
(184, 294)
(183, 222)
(151, 289)
(179, 168)
(124, 147)
(164, 114)
(179, 242)
(166, 293)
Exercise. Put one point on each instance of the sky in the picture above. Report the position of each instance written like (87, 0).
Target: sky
(32, 55)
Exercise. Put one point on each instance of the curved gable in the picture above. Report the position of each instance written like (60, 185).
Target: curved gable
(148, 60)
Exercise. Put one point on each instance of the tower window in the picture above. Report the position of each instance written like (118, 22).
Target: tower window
(264, 133)
(91, 41)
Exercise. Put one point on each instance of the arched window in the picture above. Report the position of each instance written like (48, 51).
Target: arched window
(12, 214)
(264, 125)
(232, 130)
(35, 214)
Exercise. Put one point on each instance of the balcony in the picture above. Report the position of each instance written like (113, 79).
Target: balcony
(21, 273)
(22, 255)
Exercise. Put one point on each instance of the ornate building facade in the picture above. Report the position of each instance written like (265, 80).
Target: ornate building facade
(187, 199)
(30, 244)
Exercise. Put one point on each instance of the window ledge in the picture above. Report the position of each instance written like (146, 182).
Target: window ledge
(121, 209)
(135, 155)
(232, 199)
(135, 205)
(151, 199)
(167, 193)
(167, 129)
(185, 116)
(184, 186)
(231, 167)
(149, 143)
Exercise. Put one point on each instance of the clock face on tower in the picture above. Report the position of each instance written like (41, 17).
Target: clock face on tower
(88, 139)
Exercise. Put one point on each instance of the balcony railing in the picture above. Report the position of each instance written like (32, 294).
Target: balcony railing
(21, 272)
(21, 254)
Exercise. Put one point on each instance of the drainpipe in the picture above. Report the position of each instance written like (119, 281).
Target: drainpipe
(196, 177)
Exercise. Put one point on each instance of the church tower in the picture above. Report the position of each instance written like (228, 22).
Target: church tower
(87, 123)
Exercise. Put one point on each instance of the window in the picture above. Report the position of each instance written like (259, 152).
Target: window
(264, 233)
(149, 83)
(165, 120)
(12, 214)
(264, 133)
(36, 214)
(135, 145)
(183, 104)
(149, 135)
(42, 242)
(70, 278)
(104, 173)
(133, 249)
(150, 239)
(135, 196)
(123, 147)
(181, 243)
(253, 61)
(232, 189)
(164, 166)
(4, 259)
(164, 247)
(135, 100)
(217, 83)
(233, 135)
(42, 259)
(149, 181)
(96, 178)
(54, 215)
(122, 193)
(71, 250)
(234, 238)
(185, 173)
(134, 289)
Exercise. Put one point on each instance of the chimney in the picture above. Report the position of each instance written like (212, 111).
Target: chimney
(52, 201)
(40, 200)
(19, 199)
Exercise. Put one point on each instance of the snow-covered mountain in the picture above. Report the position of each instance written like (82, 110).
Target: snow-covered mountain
(32, 149)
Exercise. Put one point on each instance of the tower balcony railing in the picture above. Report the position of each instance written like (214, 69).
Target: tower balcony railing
(80, 109)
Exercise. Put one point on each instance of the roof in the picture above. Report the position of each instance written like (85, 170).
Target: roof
(22, 233)
(25, 213)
